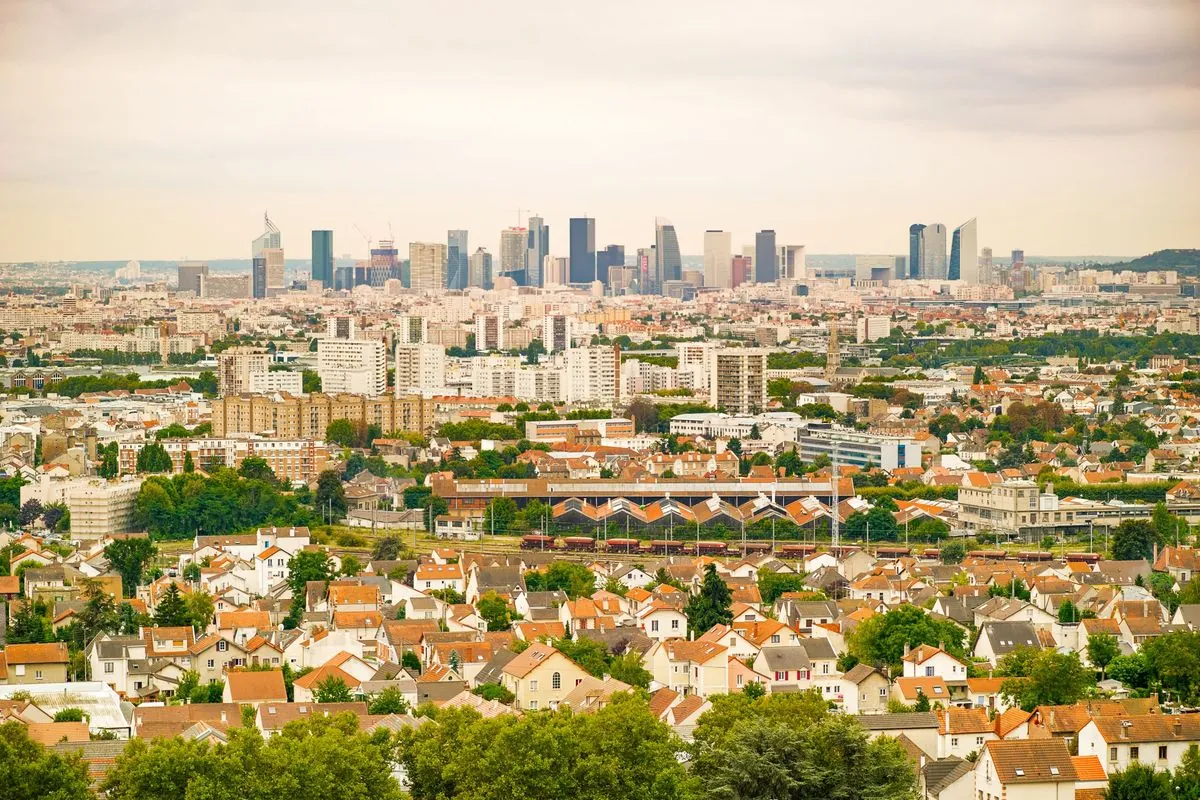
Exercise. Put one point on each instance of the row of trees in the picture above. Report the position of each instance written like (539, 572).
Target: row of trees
(181, 506)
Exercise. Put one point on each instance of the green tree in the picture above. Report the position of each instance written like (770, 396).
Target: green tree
(494, 691)
(574, 579)
(56, 517)
(881, 639)
(500, 515)
(351, 566)
(28, 770)
(30, 623)
(1134, 539)
(1102, 648)
(1173, 659)
(1187, 775)
(629, 668)
(411, 662)
(69, 715)
(754, 690)
(1139, 782)
(257, 469)
(332, 690)
(341, 432)
(1051, 679)
(388, 548)
(389, 701)
(1068, 613)
(773, 584)
(172, 610)
(99, 612)
(711, 605)
(153, 457)
(200, 609)
(953, 552)
(109, 466)
(129, 557)
(305, 566)
(978, 378)
(495, 611)
(189, 464)
(331, 495)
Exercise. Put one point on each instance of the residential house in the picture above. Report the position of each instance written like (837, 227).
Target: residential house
(1030, 769)
(866, 690)
(689, 667)
(432, 577)
(963, 732)
(34, 663)
(254, 688)
(1155, 740)
(540, 678)
(998, 639)
(928, 661)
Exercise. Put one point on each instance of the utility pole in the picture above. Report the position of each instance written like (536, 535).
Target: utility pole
(833, 520)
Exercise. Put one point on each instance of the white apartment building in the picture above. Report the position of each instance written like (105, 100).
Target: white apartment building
(427, 265)
(594, 375)
(510, 376)
(99, 507)
(738, 381)
(848, 446)
(355, 366)
(872, 329)
(556, 333)
(696, 364)
(410, 329)
(236, 365)
(419, 367)
(640, 377)
(276, 381)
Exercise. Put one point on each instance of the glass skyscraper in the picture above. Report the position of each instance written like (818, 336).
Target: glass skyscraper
(670, 262)
(457, 260)
(322, 258)
(916, 253)
(964, 258)
(582, 265)
(537, 247)
(766, 257)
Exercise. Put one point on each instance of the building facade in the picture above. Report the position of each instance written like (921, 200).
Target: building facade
(308, 416)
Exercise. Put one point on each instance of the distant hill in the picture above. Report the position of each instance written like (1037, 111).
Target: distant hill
(1184, 261)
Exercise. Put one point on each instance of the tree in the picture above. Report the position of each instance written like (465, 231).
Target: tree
(30, 511)
(495, 611)
(494, 691)
(331, 495)
(1131, 670)
(734, 446)
(711, 605)
(387, 548)
(69, 715)
(773, 584)
(411, 662)
(257, 469)
(332, 690)
(535, 349)
(189, 464)
(1051, 678)
(56, 517)
(978, 378)
(351, 566)
(200, 608)
(172, 610)
(389, 701)
(1068, 613)
(1139, 782)
(1134, 539)
(754, 690)
(30, 624)
(312, 759)
(499, 515)
(574, 579)
(341, 432)
(922, 703)
(305, 566)
(1174, 660)
(629, 668)
(1102, 648)
(953, 552)
(1187, 775)
(129, 557)
(153, 457)
(880, 640)
(109, 466)
(29, 770)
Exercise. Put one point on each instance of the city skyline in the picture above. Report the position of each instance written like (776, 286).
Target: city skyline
(870, 125)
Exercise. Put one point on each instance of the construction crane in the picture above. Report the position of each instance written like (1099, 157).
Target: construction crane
(519, 210)
(365, 238)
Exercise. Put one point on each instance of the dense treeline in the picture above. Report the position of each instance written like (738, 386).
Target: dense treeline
(1090, 345)
(184, 505)
(205, 382)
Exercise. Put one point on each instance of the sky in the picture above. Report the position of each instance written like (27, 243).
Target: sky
(164, 130)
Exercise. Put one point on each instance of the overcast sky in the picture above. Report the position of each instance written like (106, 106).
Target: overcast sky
(139, 129)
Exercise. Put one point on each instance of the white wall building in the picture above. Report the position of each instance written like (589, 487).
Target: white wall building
(352, 366)
(718, 259)
(593, 375)
(419, 367)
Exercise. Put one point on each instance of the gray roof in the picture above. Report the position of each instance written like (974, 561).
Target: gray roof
(546, 599)
(810, 609)
(892, 722)
(789, 658)
(499, 578)
(1008, 636)
(860, 672)
(492, 670)
(818, 648)
(438, 691)
(1190, 612)
(620, 640)
(945, 772)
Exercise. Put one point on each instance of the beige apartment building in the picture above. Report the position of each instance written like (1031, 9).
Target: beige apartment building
(99, 507)
(307, 417)
(291, 460)
(236, 365)
(738, 384)
(1020, 507)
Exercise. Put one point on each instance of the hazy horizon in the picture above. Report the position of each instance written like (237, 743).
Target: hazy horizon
(140, 130)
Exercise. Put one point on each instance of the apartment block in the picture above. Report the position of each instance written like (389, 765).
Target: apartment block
(307, 416)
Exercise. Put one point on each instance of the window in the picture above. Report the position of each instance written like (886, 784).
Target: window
(222, 646)
(978, 740)
(740, 679)
(1112, 754)
(929, 672)
(556, 681)
(825, 669)
(780, 675)
(533, 686)
(533, 705)
(775, 638)
(20, 669)
(108, 667)
(1162, 752)
(37, 674)
(1133, 754)
(654, 626)
(954, 742)
(210, 663)
(883, 691)
(674, 624)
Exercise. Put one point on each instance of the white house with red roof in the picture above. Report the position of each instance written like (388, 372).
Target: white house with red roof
(927, 661)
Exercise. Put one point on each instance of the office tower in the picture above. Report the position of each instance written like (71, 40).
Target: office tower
(419, 367)
(583, 250)
(411, 329)
(738, 383)
(593, 374)
(964, 255)
(791, 262)
(611, 257)
(933, 252)
(537, 247)
(739, 270)
(322, 258)
(900, 268)
(1019, 278)
(916, 251)
(489, 332)
(646, 264)
(670, 262)
(190, 273)
(479, 270)
(352, 366)
(427, 266)
(987, 274)
(718, 259)
(556, 333)
(236, 365)
(267, 261)
(554, 271)
(343, 278)
(340, 326)
(766, 257)
(457, 260)
(513, 243)
(384, 264)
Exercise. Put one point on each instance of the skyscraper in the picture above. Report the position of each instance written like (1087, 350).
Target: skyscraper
(916, 255)
(987, 274)
(538, 246)
(190, 275)
(384, 263)
(427, 265)
(670, 262)
(322, 257)
(513, 243)
(964, 254)
(792, 265)
(718, 259)
(479, 271)
(647, 260)
(457, 258)
(266, 253)
(766, 257)
(933, 252)
(611, 257)
(583, 250)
